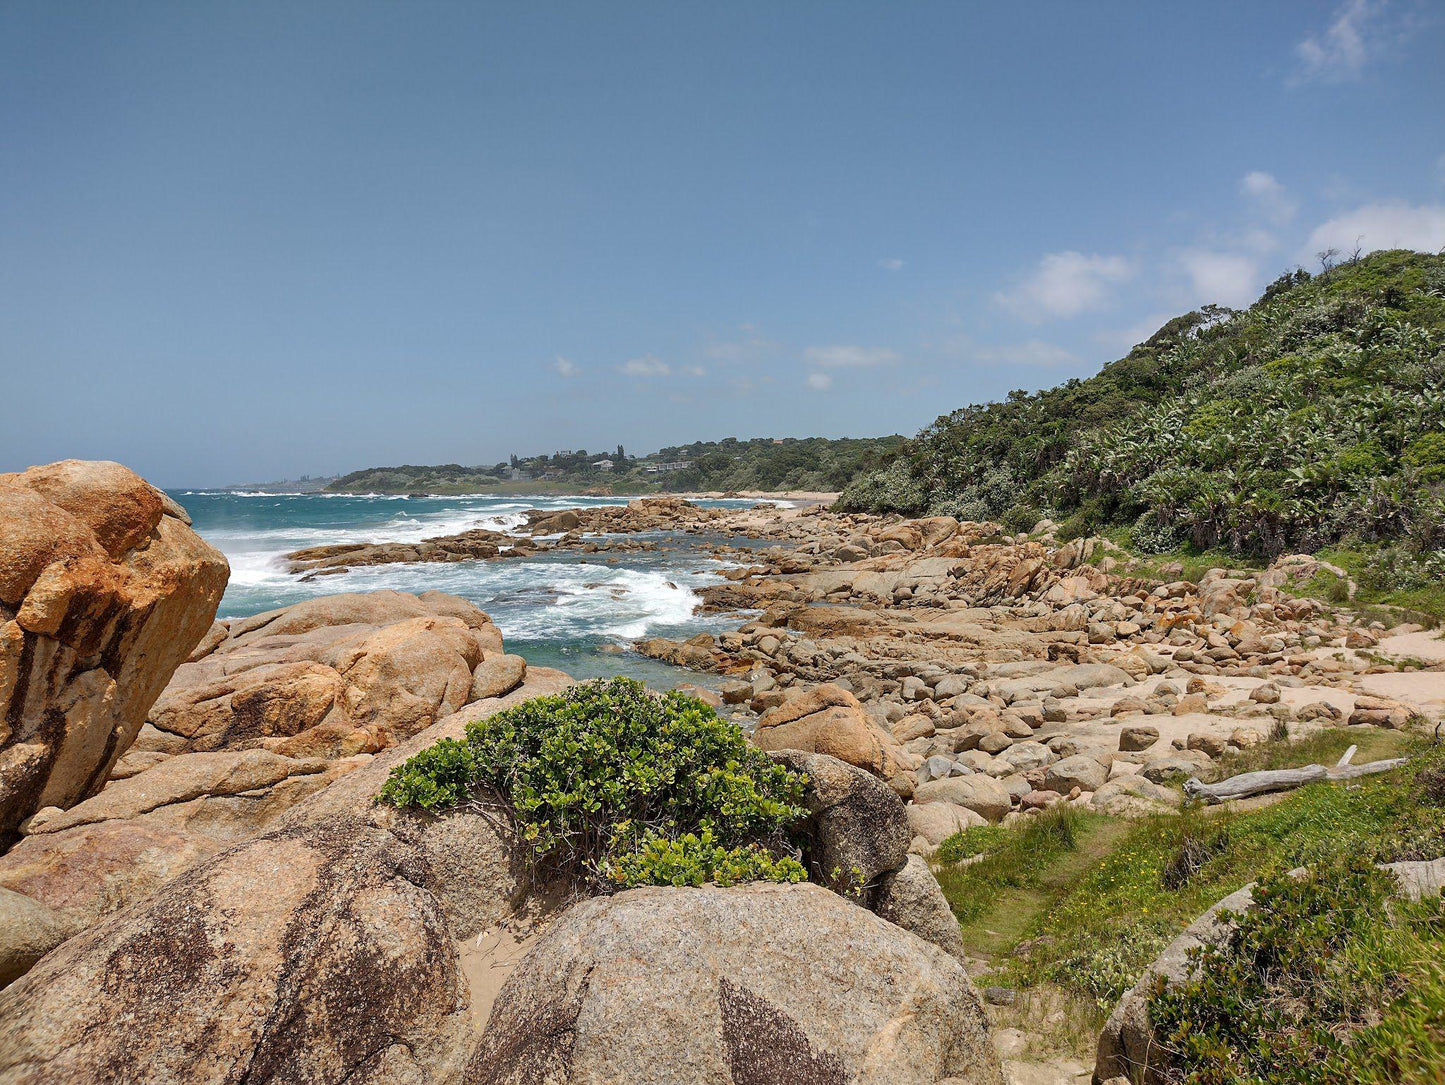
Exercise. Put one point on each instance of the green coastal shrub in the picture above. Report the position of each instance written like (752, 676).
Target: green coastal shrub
(697, 858)
(1328, 977)
(615, 787)
(1150, 536)
(1315, 416)
(1021, 518)
(1426, 454)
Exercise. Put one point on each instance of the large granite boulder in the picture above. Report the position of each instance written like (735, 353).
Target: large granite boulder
(753, 985)
(28, 931)
(828, 720)
(856, 830)
(323, 950)
(104, 590)
(912, 898)
(334, 676)
(982, 794)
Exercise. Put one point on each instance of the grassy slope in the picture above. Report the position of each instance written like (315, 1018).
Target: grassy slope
(1077, 904)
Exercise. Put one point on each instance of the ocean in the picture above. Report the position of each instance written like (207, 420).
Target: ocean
(579, 612)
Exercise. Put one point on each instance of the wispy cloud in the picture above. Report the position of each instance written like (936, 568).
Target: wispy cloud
(1359, 33)
(749, 346)
(842, 356)
(649, 365)
(820, 382)
(1221, 278)
(694, 370)
(891, 263)
(1392, 224)
(1268, 196)
(1035, 353)
(564, 367)
(1066, 284)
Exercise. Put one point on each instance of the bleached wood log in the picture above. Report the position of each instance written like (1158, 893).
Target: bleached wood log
(1349, 772)
(1268, 780)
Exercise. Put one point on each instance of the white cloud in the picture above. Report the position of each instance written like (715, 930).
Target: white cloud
(1034, 353)
(1391, 224)
(1360, 32)
(1268, 195)
(820, 382)
(1066, 284)
(750, 347)
(649, 365)
(891, 263)
(565, 368)
(694, 371)
(1222, 278)
(844, 356)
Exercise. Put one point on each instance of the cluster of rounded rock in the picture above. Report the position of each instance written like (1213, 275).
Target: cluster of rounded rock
(981, 676)
(223, 899)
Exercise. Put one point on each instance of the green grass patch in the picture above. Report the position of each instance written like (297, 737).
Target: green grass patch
(1195, 562)
(1423, 604)
(1159, 875)
(998, 878)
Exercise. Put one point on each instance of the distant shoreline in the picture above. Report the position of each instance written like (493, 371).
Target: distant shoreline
(545, 489)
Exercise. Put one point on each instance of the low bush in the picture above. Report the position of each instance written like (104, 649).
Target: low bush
(1327, 977)
(1021, 518)
(1201, 837)
(1150, 536)
(613, 787)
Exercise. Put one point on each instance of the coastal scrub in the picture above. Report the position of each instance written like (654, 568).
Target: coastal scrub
(615, 787)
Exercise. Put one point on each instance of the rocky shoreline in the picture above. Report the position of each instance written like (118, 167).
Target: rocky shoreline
(199, 886)
(964, 653)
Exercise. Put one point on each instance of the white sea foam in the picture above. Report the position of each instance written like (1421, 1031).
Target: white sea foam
(564, 598)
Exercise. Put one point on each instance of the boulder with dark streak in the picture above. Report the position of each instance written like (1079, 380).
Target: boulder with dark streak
(322, 951)
(753, 985)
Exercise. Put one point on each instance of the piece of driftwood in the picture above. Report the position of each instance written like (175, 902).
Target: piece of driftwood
(1261, 783)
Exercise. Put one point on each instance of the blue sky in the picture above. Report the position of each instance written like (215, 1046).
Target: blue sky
(246, 241)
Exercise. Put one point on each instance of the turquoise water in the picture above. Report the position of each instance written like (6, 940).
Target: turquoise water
(574, 611)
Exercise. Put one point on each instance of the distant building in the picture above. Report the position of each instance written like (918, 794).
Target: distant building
(604, 465)
(664, 468)
(516, 474)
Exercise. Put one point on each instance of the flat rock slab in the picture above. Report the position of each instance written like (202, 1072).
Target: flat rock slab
(1422, 690)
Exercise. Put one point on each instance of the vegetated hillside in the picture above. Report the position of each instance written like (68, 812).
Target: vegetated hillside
(763, 463)
(1315, 417)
